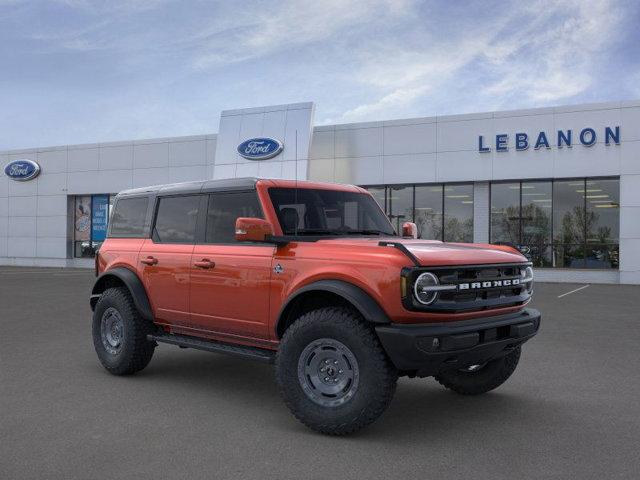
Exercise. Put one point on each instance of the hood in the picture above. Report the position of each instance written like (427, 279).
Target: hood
(439, 253)
(436, 253)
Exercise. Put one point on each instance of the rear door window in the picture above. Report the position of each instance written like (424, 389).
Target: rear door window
(176, 219)
(224, 209)
(128, 217)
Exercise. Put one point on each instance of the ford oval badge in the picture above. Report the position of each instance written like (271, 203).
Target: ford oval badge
(22, 170)
(260, 148)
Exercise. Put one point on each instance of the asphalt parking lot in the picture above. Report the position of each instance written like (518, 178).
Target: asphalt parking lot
(571, 410)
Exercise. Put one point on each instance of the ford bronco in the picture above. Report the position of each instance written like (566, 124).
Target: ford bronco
(311, 277)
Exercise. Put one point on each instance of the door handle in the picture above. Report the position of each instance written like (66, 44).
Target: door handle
(149, 260)
(205, 263)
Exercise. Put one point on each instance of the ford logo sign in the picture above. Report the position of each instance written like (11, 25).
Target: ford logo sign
(22, 170)
(260, 148)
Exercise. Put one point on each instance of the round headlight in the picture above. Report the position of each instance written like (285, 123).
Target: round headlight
(421, 289)
(526, 275)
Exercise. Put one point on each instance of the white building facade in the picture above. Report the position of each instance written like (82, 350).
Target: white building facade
(562, 184)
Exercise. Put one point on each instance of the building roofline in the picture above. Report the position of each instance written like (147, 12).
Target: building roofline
(568, 108)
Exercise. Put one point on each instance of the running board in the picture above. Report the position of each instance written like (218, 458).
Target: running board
(185, 341)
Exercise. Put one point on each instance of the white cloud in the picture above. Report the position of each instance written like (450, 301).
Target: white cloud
(543, 52)
(398, 98)
(287, 25)
(158, 67)
(555, 63)
(404, 77)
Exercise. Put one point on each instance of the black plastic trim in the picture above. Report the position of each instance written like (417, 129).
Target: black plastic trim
(400, 246)
(411, 273)
(360, 299)
(186, 341)
(133, 283)
(476, 265)
(459, 344)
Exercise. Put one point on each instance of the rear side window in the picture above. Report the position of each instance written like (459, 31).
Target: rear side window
(127, 219)
(176, 219)
(224, 209)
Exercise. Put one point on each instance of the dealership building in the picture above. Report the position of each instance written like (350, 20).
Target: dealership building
(562, 184)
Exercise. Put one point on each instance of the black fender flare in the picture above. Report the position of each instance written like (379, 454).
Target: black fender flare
(356, 296)
(133, 284)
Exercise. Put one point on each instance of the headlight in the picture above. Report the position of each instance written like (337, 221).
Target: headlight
(425, 288)
(526, 278)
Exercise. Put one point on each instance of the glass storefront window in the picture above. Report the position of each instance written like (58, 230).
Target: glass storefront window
(91, 217)
(603, 223)
(536, 201)
(458, 213)
(82, 226)
(603, 211)
(441, 212)
(569, 223)
(400, 203)
(563, 223)
(428, 211)
(568, 212)
(505, 213)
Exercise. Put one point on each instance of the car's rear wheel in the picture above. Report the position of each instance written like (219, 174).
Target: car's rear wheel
(478, 379)
(332, 371)
(120, 333)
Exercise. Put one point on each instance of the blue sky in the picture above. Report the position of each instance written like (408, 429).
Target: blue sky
(77, 71)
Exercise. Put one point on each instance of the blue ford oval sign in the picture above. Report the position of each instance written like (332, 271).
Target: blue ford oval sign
(260, 148)
(22, 170)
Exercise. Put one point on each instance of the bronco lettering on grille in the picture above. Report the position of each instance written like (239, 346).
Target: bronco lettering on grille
(509, 282)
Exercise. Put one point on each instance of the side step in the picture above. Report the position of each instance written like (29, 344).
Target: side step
(185, 341)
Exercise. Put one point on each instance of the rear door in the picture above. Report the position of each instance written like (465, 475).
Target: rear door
(165, 258)
(230, 280)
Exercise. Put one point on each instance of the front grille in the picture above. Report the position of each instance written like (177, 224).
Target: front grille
(475, 287)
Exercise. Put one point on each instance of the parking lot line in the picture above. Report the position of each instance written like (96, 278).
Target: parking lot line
(573, 291)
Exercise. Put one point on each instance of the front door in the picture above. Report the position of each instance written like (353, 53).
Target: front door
(165, 259)
(230, 281)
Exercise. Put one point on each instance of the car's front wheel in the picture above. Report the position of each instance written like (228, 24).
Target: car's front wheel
(333, 373)
(120, 333)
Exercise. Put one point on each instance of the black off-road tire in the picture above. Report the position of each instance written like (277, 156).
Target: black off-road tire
(483, 380)
(134, 351)
(376, 376)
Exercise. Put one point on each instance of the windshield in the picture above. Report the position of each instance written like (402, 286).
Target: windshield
(306, 211)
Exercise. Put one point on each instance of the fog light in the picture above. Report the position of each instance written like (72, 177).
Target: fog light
(428, 344)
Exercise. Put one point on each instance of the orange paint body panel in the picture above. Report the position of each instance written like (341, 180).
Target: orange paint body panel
(167, 280)
(219, 294)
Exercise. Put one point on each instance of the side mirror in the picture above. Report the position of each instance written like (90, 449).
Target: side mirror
(409, 229)
(252, 229)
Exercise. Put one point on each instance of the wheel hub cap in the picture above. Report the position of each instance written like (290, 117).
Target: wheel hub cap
(328, 372)
(111, 330)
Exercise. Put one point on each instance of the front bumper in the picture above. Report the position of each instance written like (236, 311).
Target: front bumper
(428, 349)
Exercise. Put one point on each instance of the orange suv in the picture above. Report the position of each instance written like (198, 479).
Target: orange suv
(311, 277)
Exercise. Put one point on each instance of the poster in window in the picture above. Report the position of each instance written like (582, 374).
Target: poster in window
(100, 216)
(82, 229)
